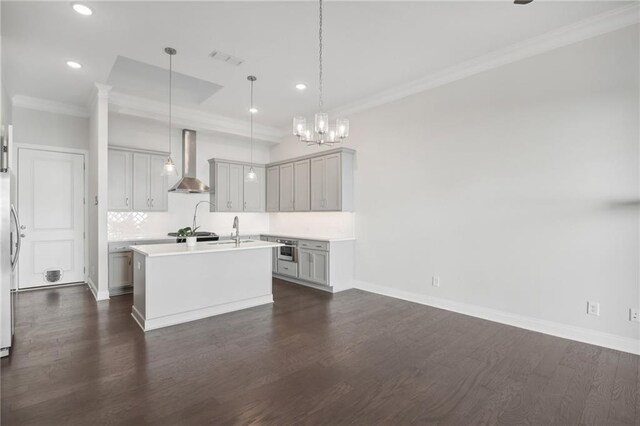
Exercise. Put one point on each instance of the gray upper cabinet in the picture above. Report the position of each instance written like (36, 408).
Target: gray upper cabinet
(158, 188)
(326, 187)
(286, 188)
(120, 178)
(301, 184)
(228, 187)
(254, 192)
(229, 190)
(273, 192)
(320, 182)
(135, 181)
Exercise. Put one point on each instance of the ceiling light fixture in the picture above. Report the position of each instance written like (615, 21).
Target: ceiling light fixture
(322, 133)
(82, 9)
(73, 64)
(251, 177)
(301, 86)
(169, 168)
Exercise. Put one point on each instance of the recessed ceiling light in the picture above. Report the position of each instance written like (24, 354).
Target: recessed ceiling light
(82, 9)
(253, 110)
(301, 86)
(74, 65)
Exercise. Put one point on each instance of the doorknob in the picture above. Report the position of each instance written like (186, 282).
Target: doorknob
(22, 235)
(23, 227)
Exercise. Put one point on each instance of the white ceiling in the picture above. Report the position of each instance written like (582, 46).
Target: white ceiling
(369, 46)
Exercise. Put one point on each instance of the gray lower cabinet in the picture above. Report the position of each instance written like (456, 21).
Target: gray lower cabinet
(120, 270)
(288, 268)
(313, 266)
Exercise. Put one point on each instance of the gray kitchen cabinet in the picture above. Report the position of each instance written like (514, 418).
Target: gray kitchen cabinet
(158, 186)
(286, 188)
(228, 187)
(326, 183)
(301, 184)
(313, 266)
(273, 192)
(149, 186)
(120, 270)
(120, 179)
(254, 192)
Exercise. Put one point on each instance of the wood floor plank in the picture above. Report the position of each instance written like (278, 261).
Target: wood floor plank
(310, 358)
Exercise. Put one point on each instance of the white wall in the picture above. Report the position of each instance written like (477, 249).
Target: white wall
(6, 115)
(47, 128)
(146, 134)
(518, 187)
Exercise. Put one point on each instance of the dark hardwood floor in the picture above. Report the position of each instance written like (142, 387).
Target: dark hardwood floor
(311, 358)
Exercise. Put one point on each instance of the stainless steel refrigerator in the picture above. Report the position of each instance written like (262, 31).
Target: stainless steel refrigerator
(9, 242)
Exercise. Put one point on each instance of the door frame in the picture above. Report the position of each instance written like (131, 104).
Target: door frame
(63, 150)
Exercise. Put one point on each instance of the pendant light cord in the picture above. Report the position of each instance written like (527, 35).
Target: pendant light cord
(251, 121)
(320, 57)
(170, 86)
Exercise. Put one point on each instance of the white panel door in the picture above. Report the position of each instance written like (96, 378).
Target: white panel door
(222, 187)
(119, 180)
(236, 185)
(333, 182)
(286, 188)
(141, 197)
(51, 205)
(301, 176)
(273, 193)
(254, 192)
(318, 171)
(158, 189)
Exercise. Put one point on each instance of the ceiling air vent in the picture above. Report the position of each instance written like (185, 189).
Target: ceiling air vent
(225, 57)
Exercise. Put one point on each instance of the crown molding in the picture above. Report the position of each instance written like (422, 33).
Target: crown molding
(39, 104)
(582, 30)
(190, 118)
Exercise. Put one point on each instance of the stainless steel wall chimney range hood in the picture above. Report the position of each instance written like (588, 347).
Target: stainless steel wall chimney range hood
(189, 183)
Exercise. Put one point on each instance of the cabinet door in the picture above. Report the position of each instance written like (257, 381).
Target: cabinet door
(119, 171)
(273, 193)
(286, 188)
(320, 265)
(305, 264)
(317, 183)
(332, 182)
(141, 196)
(120, 269)
(222, 187)
(158, 190)
(301, 185)
(254, 192)
(236, 187)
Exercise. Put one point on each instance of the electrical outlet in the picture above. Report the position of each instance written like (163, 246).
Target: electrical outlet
(435, 281)
(593, 308)
(634, 315)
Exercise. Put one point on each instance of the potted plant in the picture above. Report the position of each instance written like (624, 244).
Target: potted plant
(189, 234)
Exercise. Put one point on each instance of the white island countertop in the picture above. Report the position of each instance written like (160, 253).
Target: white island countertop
(153, 250)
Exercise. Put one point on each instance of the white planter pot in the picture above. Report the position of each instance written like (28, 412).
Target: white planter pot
(191, 241)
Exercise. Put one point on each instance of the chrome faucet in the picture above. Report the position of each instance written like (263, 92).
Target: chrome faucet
(236, 226)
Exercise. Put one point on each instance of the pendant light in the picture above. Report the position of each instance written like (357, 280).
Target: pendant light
(321, 133)
(251, 177)
(169, 168)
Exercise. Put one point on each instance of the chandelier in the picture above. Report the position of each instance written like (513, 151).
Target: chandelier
(322, 133)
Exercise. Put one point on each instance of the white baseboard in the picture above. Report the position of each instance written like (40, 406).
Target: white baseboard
(612, 341)
(99, 295)
(148, 324)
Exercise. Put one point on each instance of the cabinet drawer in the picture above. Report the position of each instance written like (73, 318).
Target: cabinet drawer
(315, 245)
(287, 268)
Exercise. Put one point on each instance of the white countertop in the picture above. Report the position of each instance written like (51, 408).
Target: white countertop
(153, 250)
(149, 237)
(307, 237)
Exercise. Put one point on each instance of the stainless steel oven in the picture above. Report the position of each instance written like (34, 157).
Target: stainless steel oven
(288, 251)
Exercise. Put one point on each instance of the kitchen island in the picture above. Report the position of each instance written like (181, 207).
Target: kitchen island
(173, 283)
